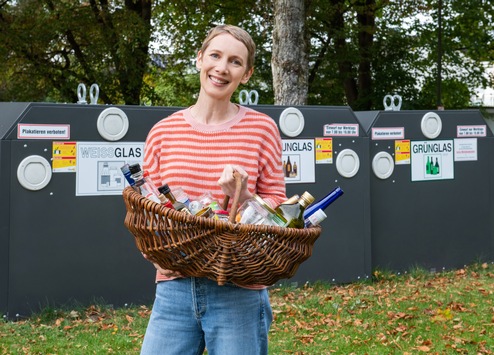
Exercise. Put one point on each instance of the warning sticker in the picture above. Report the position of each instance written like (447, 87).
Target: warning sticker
(324, 150)
(64, 157)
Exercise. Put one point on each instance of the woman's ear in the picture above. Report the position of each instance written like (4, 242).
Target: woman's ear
(247, 75)
(199, 60)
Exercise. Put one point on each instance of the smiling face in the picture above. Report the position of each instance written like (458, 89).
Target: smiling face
(224, 66)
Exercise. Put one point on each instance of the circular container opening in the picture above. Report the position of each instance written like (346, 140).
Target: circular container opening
(347, 163)
(34, 172)
(383, 165)
(431, 125)
(291, 122)
(113, 124)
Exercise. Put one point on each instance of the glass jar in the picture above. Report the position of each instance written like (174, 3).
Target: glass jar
(256, 211)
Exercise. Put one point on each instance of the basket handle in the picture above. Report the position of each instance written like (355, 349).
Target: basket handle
(236, 197)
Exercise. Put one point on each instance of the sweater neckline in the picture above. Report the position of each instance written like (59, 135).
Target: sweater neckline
(214, 127)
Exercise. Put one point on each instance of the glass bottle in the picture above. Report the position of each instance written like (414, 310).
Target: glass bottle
(179, 206)
(323, 203)
(126, 173)
(291, 200)
(294, 213)
(146, 188)
(315, 219)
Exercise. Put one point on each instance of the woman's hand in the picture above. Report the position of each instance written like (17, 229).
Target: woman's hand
(228, 184)
(164, 272)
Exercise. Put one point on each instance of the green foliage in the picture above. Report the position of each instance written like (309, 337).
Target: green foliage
(359, 50)
(54, 45)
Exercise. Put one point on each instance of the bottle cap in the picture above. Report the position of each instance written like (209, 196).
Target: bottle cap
(164, 189)
(306, 199)
(134, 168)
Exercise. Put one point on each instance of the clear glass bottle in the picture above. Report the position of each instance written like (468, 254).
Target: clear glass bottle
(294, 213)
(146, 188)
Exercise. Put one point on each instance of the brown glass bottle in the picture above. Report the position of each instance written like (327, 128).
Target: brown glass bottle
(179, 206)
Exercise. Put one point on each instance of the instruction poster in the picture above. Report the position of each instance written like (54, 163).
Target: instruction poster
(98, 166)
(324, 150)
(432, 160)
(466, 149)
(298, 160)
(402, 152)
(64, 157)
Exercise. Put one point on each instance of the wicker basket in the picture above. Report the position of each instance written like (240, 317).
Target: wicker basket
(223, 251)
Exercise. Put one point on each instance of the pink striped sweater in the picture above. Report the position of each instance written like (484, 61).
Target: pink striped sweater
(181, 152)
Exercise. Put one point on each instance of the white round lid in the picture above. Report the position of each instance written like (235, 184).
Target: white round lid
(113, 124)
(431, 125)
(383, 165)
(347, 163)
(291, 122)
(34, 172)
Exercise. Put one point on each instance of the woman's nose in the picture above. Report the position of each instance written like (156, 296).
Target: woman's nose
(222, 66)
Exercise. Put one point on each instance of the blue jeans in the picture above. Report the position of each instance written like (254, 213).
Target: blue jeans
(191, 314)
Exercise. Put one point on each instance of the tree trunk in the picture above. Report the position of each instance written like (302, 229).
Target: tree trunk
(289, 62)
(366, 20)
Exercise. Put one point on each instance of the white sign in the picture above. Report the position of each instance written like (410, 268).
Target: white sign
(98, 166)
(43, 131)
(388, 133)
(341, 130)
(299, 160)
(471, 131)
(465, 149)
(432, 160)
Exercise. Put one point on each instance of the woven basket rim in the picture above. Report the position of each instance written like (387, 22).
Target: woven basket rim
(211, 222)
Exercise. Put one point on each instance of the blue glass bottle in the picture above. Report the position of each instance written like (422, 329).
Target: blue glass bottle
(324, 202)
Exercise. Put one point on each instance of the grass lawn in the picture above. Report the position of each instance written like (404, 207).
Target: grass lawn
(451, 312)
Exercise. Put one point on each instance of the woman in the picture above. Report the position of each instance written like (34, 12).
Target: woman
(199, 149)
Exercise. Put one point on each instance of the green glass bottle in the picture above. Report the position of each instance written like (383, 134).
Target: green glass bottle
(294, 213)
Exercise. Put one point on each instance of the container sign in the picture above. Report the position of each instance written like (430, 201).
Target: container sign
(388, 133)
(98, 166)
(402, 152)
(341, 130)
(432, 160)
(324, 150)
(64, 157)
(471, 131)
(298, 160)
(465, 149)
(43, 131)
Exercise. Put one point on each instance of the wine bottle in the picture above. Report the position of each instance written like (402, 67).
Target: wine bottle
(294, 213)
(324, 202)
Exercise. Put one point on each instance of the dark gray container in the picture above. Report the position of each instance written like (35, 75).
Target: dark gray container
(430, 221)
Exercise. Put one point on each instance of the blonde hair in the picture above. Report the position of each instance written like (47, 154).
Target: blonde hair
(239, 34)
